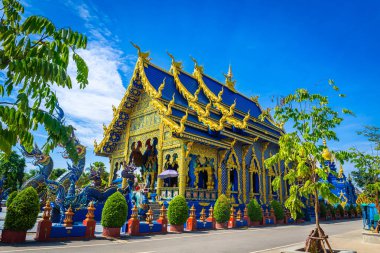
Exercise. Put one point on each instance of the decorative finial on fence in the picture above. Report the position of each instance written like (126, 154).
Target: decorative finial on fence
(203, 215)
(149, 216)
(238, 216)
(90, 212)
(192, 211)
(163, 212)
(47, 209)
(134, 212)
(68, 221)
(211, 212)
(232, 214)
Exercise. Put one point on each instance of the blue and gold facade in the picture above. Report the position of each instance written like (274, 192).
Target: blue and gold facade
(206, 130)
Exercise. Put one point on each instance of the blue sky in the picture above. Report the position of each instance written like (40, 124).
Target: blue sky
(274, 47)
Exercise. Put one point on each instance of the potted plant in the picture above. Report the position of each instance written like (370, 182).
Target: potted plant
(21, 216)
(254, 212)
(222, 211)
(178, 212)
(278, 211)
(332, 211)
(322, 210)
(340, 210)
(114, 215)
(10, 198)
(300, 215)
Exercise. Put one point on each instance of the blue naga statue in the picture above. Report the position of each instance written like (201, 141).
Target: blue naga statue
(45, 166)
(75, 170)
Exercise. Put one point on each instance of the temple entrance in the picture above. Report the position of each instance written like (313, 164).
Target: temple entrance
(233, 183)
(203, 180)
(255, 183)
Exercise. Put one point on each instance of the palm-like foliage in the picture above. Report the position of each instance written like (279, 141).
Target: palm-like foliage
(34, 56)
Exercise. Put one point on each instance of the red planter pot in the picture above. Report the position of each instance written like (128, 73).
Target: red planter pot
(176, 228)
(9, 236)
(221, 225)
(111, 232)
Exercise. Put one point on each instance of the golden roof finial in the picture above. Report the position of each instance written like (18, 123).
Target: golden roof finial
(142, 55)
(175, 64)
(341, 172)
(229, 82)
(197, 67)
(326, 153)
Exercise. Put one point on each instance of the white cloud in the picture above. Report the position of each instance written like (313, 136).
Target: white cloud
(87, 109)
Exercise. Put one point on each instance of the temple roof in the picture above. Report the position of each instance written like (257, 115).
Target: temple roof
(192, 106)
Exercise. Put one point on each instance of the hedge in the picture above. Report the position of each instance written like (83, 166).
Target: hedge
(254, 211)
(115, 211)
(278, 209)
(222, 209)
(340, 209)
(178, 211)
(322, 209)
(11, 197)
(23, 211)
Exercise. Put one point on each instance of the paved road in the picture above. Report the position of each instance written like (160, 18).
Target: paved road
(263, 239)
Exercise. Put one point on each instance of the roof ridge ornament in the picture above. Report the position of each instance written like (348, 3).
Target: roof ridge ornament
(197, 67)
(160, 88)
(229, 82)
(175, 64)
(143, 55)
(220, 95)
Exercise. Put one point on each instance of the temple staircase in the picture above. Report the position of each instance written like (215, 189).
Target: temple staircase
(156, 209)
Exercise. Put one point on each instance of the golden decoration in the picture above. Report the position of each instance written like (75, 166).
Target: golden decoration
(143, 55)
(175, 64)
(341, 172)
(160, 88)
(196, 65)
(326, 153)
(255, 99)
(229, 82)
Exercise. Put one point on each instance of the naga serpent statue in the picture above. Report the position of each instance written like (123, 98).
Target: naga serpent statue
(45, 166)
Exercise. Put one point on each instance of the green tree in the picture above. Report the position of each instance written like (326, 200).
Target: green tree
(56, 173)
(34, 56)
(31, 173)
(100, 166)
(12, 167)
(313, 120)
(367, 164)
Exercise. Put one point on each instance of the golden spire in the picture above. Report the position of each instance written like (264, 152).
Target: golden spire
(229, 82)
(341, 172)
(326, 153)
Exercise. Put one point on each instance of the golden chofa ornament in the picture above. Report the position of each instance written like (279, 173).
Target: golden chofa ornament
(326, 153)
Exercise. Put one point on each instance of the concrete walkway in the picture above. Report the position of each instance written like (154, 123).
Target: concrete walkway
(252, 240)
(350, 240)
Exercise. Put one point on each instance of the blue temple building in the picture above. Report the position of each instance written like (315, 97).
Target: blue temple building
(344, 189)
(202, 128)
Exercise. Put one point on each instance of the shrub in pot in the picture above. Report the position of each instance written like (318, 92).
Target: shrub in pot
(300, 215)
(10, 198)
(278, 211)
(358, 210)
(332, 210)
(254, 212)
(21, 215)
(340, 209)
(114, 214)
(322, 210)
(178, 212)
(222, 211)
